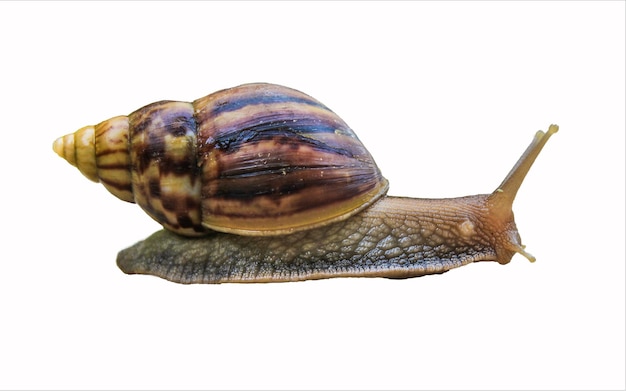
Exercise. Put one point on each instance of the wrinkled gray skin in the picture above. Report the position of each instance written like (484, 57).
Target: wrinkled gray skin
(395, 238)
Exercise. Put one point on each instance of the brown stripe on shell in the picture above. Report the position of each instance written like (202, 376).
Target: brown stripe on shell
(276, 165)
(288, 168)
(164, 166)
(84, 150)
(112, 157)
(311, 122)
(235, 98)
(121, 188)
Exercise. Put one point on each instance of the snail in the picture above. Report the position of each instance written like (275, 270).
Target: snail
(263, 183)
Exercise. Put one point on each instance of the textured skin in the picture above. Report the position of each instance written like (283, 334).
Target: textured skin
(395, 238)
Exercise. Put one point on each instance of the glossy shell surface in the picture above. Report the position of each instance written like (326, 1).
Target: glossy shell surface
(258, 159)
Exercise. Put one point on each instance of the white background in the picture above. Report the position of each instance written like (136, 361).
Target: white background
(446, 96)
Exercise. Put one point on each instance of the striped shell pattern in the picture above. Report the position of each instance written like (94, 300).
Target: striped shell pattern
(258, 159)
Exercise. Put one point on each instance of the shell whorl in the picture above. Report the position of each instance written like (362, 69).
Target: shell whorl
(100, 152)
(258, 159)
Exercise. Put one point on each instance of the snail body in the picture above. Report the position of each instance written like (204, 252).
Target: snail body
(262, 183)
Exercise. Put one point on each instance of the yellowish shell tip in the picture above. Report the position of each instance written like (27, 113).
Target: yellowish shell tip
(58, 147)
(78, 149)
(64, 147)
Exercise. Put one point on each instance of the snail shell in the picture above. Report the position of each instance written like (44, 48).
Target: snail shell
(293, 182)
(258, 159)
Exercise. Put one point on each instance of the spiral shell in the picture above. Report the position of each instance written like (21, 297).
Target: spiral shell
(258, 159)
